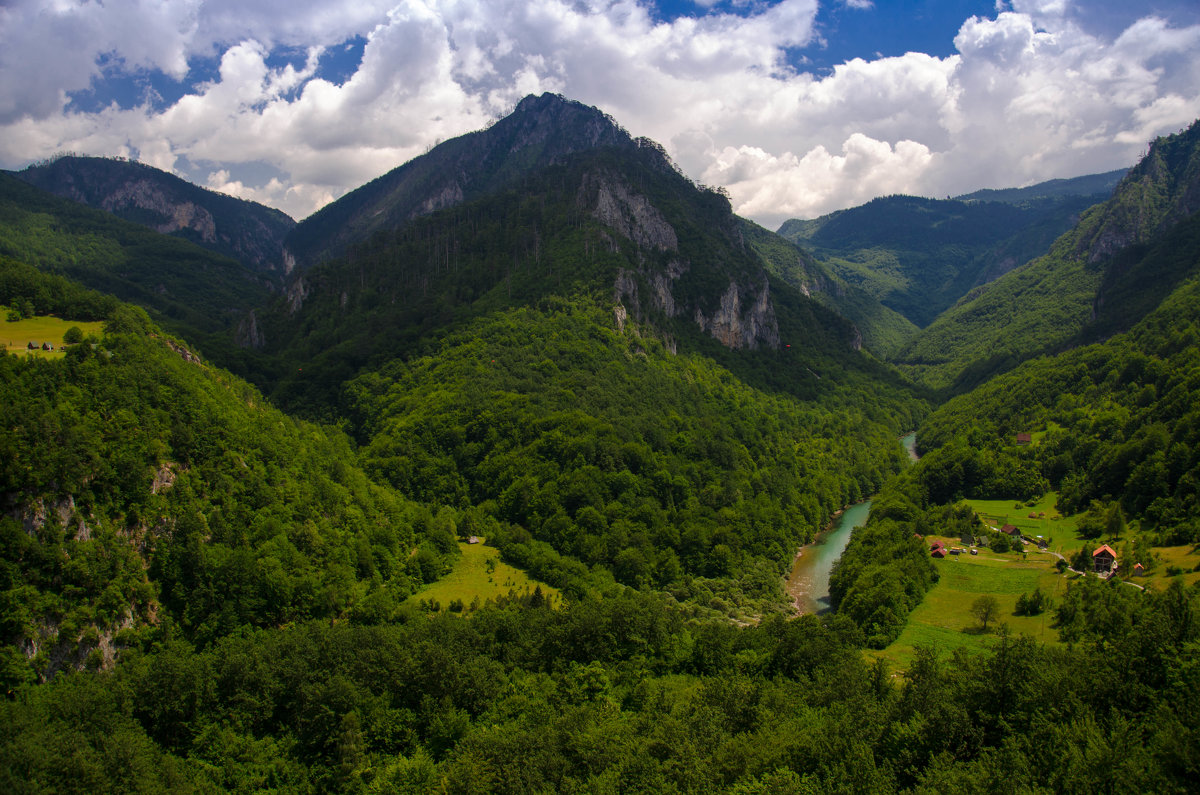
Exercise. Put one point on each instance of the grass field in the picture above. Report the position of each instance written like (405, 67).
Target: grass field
(943, 620)
(15, 336)
(1045, 521)
(473, 583)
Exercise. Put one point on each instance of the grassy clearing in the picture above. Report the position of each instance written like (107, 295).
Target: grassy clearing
(15, 336)
(478, 576)
(1040, 518)
(944, 621)
(1185, 558)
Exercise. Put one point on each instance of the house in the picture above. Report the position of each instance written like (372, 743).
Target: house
(1104, 560)
(474, 540)
(937, 549)
(1138, 570)
(47, 346)
(33, 346)
(1024, 438)
(1010, 530)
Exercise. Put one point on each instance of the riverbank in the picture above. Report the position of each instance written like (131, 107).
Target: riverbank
(807, 582)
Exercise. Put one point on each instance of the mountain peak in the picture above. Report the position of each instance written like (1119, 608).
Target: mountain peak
(541, 131)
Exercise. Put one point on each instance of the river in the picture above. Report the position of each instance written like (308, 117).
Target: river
(808, 581)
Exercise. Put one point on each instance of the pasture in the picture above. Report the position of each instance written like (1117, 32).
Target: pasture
(480, 575)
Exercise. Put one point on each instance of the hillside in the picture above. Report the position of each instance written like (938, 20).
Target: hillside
(640, 401)
(540, 132)
(919, 256)
(242, 230)
(884, 331)
(1123, 257)
(190, 289)
(616, 226)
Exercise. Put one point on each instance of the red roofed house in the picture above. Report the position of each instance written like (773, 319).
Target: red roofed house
(1139, 569)
(1024, 438)
(1010, 530)
(1104, 559)
(937, 549)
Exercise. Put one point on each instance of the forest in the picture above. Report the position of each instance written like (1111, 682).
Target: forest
(213, 557)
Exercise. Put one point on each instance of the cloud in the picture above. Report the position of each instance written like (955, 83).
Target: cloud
(1029, 95)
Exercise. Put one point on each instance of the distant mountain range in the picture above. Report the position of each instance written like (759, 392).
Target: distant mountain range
(239, 229)
(918, 256)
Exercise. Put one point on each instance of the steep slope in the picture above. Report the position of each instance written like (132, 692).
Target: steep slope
(541, 131)
(188, 288)
(919, 256)
(141, 487)
(1099, 278)
(594, 363)
(1122, 413)
(884, 331)
(618, 225)
(242, 230)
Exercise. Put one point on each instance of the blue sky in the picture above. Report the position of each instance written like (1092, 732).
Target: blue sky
(797, 107)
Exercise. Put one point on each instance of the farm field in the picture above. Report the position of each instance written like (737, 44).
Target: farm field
(16, 335)
(472, 583)
(1046, 520)
(944, 621)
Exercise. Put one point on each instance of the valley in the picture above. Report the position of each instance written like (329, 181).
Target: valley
(529, 466)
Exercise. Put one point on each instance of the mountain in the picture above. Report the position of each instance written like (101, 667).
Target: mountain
(190, 289)
(616, 223)
(1087, 185)
(1114, 266)
(242, 230)
(919, 256)
(561, 356)
(541, 131)
(884, 331)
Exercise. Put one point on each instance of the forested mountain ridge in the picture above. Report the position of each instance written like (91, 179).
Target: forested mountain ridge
(539, 132)
(884, 331)
(580, 366)
(243, 230)
(1089, 185)
(919, 256)
(142, 487)
(196, 292)
(617, 225)
(1123, 257)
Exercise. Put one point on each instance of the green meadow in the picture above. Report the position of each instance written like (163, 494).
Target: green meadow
(16, 335)
(944, 621)
(480, 575)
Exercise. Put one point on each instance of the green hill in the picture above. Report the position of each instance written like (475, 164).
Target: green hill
(193, 291)
(242, 230)
(919, 256)
(1101, 277)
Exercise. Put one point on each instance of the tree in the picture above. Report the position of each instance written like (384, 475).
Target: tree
(73, 335)
(985, 608)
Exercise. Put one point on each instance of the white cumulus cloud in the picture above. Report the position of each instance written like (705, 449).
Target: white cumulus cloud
(1029, 94)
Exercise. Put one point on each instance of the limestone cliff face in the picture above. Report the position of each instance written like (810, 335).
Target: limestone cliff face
(617, 206)
(248, 334)
(297, 291)
(743, 317)
(173, 215)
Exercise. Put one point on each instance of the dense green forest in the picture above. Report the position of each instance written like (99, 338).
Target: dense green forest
(212, 583)
(1121, 259)
(195, 291)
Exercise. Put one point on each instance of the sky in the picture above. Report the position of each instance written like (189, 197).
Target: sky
(797, 107)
